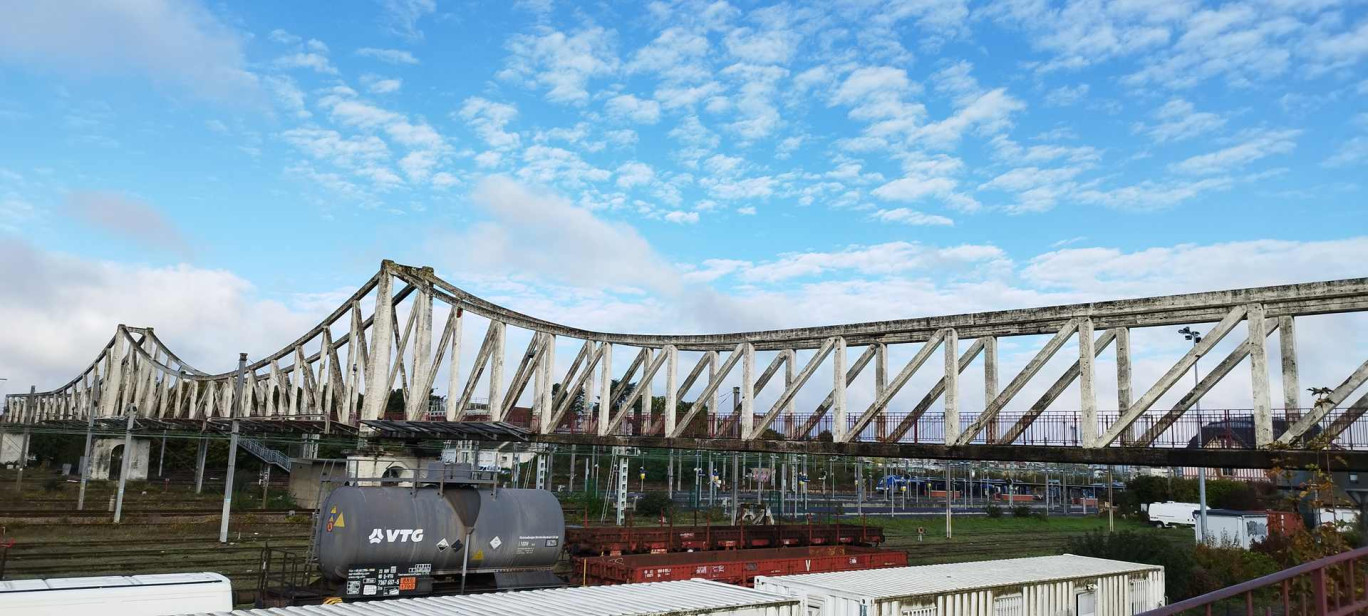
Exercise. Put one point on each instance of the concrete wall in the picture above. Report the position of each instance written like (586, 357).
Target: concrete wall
(103, 456)
(311, 480)
(399, 465)
(11, 447)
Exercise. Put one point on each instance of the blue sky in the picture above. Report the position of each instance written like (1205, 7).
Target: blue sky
(687, 166)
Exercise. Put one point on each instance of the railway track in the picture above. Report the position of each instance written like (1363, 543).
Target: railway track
(45, 513)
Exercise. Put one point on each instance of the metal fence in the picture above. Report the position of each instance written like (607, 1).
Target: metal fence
(1210, 429)
(1333, 586)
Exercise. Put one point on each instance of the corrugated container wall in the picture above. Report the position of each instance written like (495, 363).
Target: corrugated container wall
(686, 598)
(1046, 586)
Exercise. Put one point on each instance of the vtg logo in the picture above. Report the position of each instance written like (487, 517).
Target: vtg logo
(391, 535)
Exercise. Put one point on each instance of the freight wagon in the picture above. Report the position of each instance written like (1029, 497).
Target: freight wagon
(731, 566)
(1042, 586)
(614, 540)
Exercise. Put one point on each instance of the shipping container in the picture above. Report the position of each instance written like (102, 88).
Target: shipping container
(1284, 523)
(1234, 528)
(118, 595)
(730, 566)
(614, 540)
(1042, 586)
(693, 597)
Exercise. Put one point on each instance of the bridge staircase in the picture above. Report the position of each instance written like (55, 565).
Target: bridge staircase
(264, 453)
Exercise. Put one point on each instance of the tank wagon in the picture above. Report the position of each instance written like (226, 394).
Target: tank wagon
(388, 541)
(450, 529)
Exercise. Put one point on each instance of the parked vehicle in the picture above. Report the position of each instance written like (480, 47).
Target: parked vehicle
(1171, 513)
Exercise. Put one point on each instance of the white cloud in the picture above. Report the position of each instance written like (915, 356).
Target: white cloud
(538, 234)
(634, 173)
(287, 95)
(1179, 120)
(391, 56)
(490, 121)
(548, 165)
(401, 17)
(69, 307)
(331, 146)
(879, 260)
(1065, 96)
(757, 86)
(1116, 273)
(906, 216)
(283, 37)
(313, 61)
(631, 108)
(1353, 151)
(681, 218)
(1148, 195)
(677, 55)
(1253, 146)
(561, 63)
(180, 43)
(384, 86)
(746, 211)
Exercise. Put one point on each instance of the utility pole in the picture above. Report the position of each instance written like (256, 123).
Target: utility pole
(948, 516)
(232, 448)
(1111, 524)
(1196, 338)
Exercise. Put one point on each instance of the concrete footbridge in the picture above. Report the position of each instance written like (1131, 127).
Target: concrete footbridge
(371, 366)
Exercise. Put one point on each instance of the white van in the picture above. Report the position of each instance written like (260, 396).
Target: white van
(1170, 513)
(118, 595)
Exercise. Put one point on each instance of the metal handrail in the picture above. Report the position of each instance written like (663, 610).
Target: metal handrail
(1316, 567)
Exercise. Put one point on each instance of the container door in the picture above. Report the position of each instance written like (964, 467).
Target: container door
(1008, 605)
(1085, 603)
(1139, 596)
(918, 610)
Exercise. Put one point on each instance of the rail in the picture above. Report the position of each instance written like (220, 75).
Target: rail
(1332, 586)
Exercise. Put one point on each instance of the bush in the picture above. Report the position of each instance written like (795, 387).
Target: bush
(52, 484)
(1149, 547)
(654, 504)
(993, 511)
(1021, 511)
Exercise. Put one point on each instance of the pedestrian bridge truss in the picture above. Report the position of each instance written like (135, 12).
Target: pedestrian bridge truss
(404, 328)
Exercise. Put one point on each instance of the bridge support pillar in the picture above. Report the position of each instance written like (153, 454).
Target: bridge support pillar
(102, 457)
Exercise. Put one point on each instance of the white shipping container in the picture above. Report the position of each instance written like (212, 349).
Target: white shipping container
(1044, 586)
(1234, 528)
(118, 595)
(701, 597)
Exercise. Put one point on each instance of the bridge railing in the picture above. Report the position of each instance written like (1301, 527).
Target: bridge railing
(1209, 429)
(1333, 586)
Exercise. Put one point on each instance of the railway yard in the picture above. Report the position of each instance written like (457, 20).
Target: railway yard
(167, 528)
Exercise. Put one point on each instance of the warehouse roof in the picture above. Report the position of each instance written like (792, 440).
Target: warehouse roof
(693, 596)
(954, 577)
